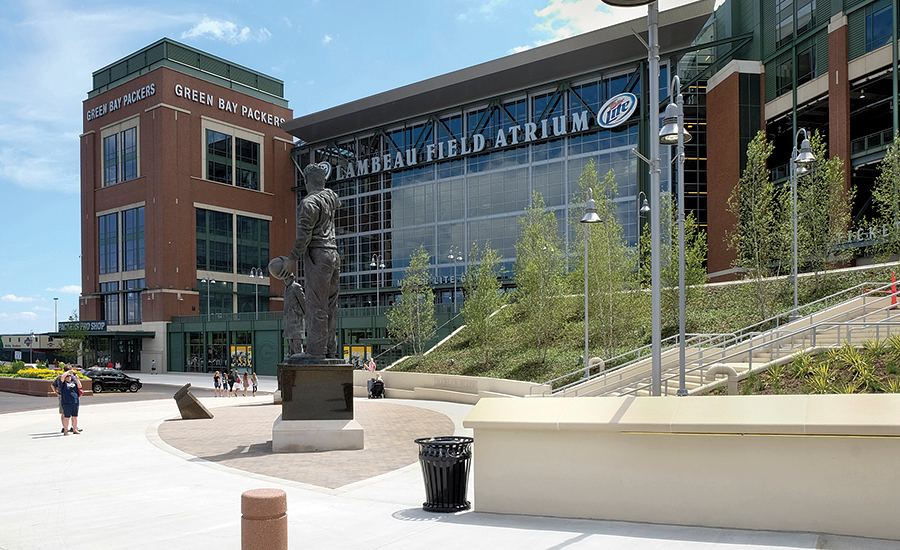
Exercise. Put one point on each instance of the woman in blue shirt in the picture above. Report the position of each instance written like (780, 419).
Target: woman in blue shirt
(68, 388)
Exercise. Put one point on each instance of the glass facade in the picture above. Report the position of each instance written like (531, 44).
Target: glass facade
(463, 177)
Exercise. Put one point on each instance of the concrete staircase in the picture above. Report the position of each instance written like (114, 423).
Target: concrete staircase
(870, 316)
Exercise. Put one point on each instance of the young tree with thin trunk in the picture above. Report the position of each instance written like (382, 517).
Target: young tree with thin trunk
(613, 300)
(761, 239)
(411, 320)
(483, 296)
(695, 248)
(886, 203)
(540, 263)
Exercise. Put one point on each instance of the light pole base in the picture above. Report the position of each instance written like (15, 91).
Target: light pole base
(681, 392)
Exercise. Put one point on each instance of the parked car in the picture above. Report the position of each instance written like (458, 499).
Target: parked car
(110, 379)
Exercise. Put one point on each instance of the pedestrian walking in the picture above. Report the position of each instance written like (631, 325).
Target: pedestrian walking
(70, 388)
(153, 366)
(246, 382)
(255, 383)
(237, 383)
(229, 382)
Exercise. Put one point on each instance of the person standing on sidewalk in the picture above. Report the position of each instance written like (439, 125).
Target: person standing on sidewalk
(153, 367)
(217, 383)
(246, 382)
(255, 383)
(56, 387)
(69, 387)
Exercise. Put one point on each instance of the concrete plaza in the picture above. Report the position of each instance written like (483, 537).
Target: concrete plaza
(139, 477)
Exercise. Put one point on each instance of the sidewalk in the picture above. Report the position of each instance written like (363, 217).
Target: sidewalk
(136, 478)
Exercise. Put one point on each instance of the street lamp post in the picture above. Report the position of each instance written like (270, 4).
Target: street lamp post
(800, 161)
(377, 262)
(652, 82)
(56, 314)
(256, 273)
(590, 216)
(456, 256)
(209, 280)
(673, 132)
(31, 348)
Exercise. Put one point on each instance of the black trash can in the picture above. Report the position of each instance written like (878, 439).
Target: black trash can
(445, 466)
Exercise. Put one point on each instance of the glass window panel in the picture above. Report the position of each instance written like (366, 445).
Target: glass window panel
(129, 154)
(218, 156)
(110, 160)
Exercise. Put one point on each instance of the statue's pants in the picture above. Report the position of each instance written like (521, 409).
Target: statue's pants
(322, 267)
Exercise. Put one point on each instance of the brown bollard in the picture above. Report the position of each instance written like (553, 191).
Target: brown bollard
(264, 519)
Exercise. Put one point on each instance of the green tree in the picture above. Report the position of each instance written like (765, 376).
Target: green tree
(695, 248)
(483, 297)
(886, 203)
(613, 303)
(71, 344)
(540, 263)
(762, 233)
(411, 320)
(824, 212)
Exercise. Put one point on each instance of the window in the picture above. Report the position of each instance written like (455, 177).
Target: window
(133, 238)
(806, 65)
(784, 22)
(133, 290)
(233, 156)
(120, 153)
(108, 231)
(218, 157)
(878, 24)
(214, 241)
(110, 302)
(783, 80)
(806, 15)
(252, 244)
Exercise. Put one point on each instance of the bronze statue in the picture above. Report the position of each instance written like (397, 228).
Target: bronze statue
(317, 247)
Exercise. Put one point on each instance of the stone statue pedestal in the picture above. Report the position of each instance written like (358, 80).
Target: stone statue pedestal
(316, 407)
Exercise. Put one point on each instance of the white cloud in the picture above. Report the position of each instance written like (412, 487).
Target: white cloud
(326, 40)
(225, 31)
(16, 299)
(68, 289)
(563, 19)
(49, 55)
(21, 316)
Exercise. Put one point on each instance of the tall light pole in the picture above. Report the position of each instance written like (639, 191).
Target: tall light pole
(653, 85)
(210, 280)
(590, 216)
(456, 256)
(800, 161)
(256, 273)
(673, 132)
(56, 314)
(31, 348)
(377, 262)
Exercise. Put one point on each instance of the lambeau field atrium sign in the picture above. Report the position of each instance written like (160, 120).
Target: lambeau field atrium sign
(614, 112)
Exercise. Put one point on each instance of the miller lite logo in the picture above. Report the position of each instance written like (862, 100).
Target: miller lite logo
(617, 110)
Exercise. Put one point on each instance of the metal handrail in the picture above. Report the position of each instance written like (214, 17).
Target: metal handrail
(737, 337)
(769, 339)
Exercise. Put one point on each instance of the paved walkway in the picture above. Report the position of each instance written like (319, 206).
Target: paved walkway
(136, 478)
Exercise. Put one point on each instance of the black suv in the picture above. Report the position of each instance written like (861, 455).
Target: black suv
(111, 379)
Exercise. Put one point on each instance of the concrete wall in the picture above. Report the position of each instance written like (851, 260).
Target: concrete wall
(441, 387)
(816, 463)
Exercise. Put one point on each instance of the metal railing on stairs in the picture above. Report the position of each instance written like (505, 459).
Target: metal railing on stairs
(633, 376)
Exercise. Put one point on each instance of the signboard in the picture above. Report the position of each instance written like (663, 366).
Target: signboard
(617, 110)
(88, 326)
(18, 355)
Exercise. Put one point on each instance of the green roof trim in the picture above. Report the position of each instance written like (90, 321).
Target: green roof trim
(193, 62)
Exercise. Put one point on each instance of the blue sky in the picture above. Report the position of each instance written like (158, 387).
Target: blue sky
(326, 52)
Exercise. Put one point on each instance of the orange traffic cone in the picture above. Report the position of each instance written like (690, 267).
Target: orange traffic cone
(893, 291)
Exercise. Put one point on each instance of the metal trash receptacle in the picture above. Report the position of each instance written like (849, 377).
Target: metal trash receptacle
(445, 467)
